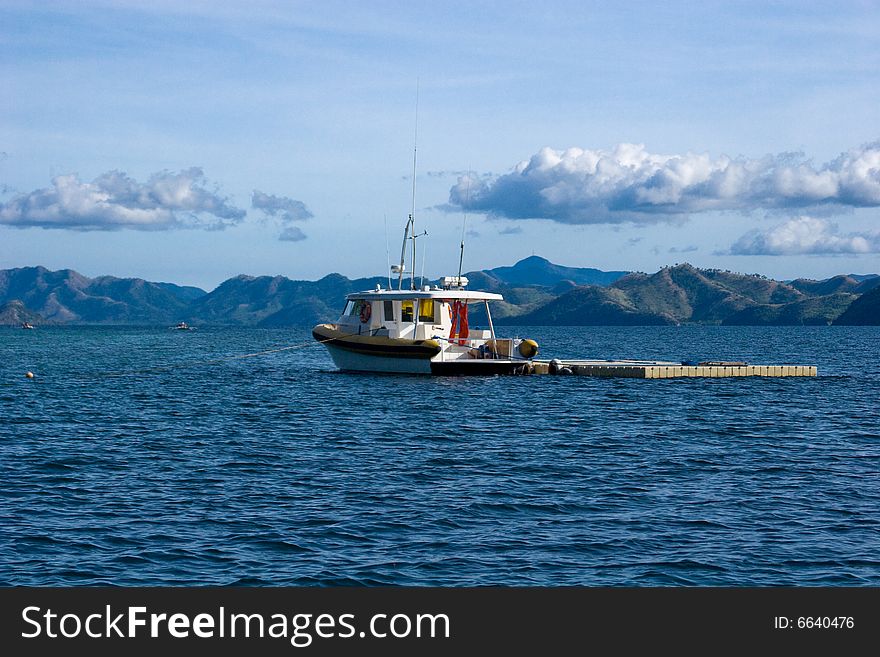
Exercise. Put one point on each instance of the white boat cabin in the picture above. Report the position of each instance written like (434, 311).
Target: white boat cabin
(414, 314)
(432, 313)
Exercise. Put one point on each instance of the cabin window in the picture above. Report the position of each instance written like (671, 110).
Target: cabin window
(389, 310)
(355, 307)
(426, 310)
(406, 311)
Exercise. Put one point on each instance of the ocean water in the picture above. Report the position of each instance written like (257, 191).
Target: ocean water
(144, 456)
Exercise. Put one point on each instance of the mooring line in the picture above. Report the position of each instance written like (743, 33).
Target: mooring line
(212, 361)
(225, 359)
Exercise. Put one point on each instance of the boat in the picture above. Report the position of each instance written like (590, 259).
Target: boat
(422, 331)
(27, 325)
(183, 326)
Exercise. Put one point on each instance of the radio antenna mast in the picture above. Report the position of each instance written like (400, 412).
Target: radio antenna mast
(399, 269)
(424, 257)
(412, 214)
(467, 199)
(387, 252)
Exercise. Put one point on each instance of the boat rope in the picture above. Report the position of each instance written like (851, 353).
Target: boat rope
(224, 359)
(255, 354)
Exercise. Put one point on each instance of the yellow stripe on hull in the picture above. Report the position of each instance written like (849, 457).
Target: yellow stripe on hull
(375, 345)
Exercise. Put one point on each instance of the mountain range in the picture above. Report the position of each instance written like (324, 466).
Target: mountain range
(536, 292)
(684, 293)
(68, 296)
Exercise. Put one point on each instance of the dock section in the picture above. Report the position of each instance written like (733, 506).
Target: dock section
(650, 369)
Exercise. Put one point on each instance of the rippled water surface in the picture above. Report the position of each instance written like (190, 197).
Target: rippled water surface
(278, 470)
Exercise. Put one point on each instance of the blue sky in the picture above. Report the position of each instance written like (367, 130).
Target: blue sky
(193, 143)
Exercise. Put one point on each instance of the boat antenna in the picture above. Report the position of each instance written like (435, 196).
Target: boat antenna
(411, 225)
(424, 257)
(387, 252)
(402, 265)
(412, 214)
(467, 198)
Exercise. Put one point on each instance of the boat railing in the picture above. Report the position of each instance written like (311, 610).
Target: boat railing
(478, 347)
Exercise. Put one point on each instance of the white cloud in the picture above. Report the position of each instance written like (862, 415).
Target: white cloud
(805, 235)
(685, 249)
(286, 211)
(114, 201)
(629, 184)
(292, 234)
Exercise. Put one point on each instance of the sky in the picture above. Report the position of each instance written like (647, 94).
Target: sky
(192, 142)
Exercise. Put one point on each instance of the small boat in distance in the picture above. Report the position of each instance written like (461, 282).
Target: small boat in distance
(183, 326)
(27, 325)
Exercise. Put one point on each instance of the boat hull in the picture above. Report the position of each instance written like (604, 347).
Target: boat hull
(372, 353)
(350, 361)
(487, 367)
(367, 353)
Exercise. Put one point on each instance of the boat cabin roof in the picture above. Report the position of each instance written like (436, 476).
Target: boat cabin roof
(432, 293)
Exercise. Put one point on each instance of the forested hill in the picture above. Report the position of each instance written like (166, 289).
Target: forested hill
(536, 292)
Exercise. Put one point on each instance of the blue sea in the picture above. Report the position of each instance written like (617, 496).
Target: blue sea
(145, 456)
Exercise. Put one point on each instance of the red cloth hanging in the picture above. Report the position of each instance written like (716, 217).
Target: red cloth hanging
(463, 324)
(459, 327)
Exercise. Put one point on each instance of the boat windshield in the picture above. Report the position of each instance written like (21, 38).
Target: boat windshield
(355, 307)
(406, 311)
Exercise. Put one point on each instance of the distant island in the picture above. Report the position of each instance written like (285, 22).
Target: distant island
(536, 292)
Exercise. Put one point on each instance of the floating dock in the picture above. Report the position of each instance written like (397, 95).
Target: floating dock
(655, 369)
